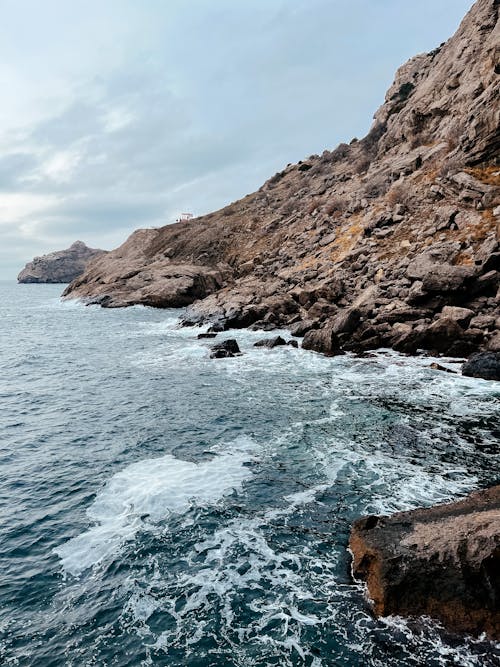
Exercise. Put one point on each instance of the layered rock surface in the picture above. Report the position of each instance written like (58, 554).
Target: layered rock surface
(443, 562)
(385, 241)
(61, 266)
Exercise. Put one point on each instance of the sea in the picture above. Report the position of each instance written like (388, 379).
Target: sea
(158, 507)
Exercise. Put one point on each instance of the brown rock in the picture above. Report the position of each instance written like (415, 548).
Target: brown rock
(461, 316)
(442, 562)
(322, 340)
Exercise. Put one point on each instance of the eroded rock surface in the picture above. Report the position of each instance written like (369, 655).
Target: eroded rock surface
(62, 266)
(442, 562)
(389, 241)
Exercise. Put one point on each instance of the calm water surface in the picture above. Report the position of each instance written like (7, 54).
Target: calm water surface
(161, 508)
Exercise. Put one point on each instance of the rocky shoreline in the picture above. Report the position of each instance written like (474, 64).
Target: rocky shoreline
(388, 241)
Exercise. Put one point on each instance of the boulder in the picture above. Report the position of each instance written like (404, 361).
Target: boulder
(299, 329)
(224, 349)
(270, 343)
(442, 334)
(485, 365)
(461, 316)
(435, 270)
(346, 321)
(442, 562)
(322, 340)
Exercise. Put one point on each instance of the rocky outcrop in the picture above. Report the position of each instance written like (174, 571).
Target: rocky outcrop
(62, 266)
(443, 562)
(389, 241)
(225, 349)
(485, 365)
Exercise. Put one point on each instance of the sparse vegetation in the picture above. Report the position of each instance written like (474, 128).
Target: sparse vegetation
(335, 205)
(399, 193)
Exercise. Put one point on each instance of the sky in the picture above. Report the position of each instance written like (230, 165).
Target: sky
(120, 114)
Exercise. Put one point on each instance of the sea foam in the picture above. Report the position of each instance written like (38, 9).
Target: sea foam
(146, 493)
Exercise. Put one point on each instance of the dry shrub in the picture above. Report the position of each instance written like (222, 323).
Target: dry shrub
(335, 205)
(399, 194)
(312, 206)
(229, 210)
(449, 166)
(362, 164)
(288, 207)
(376, 187)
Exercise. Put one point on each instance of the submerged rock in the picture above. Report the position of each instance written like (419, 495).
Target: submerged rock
(270, 342)
(485, 365)
(443, 562)
(224, 349)
(61, 266)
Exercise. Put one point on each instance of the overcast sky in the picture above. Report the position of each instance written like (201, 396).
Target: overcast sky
(119, 114)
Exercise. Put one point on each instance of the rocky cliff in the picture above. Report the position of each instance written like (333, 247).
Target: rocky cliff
(443, 562)
(391, 240)
(62, 266)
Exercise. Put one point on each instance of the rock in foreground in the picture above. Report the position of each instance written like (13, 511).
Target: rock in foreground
(443, 562)
(62, 266)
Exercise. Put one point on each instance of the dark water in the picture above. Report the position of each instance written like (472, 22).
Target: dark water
(160, 508)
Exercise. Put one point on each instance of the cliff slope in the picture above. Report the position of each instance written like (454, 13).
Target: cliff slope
(392, 240)
(62, 266)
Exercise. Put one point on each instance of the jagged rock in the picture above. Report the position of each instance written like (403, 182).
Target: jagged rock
(461, 316)
(322, 340)
(485, 365)
(61, 266)
(346, 321)
(299, 329)
(442, 562)
(224, 349)
(207, 334)
(270, 342)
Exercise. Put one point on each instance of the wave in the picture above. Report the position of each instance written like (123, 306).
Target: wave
(147, 492)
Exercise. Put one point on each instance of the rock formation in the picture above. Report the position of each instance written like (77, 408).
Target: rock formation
(443, 562)
(391, 240)
(62, 266)
(485, 365)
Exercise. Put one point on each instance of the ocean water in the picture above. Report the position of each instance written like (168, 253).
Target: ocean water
(161, 508)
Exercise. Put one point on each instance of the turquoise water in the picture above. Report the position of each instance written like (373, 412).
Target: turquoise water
(161, 508)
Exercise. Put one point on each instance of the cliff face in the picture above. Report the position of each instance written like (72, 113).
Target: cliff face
(62, 266)
(443, 562)
(382, 242)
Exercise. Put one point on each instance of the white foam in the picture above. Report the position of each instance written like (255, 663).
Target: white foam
(146, 493)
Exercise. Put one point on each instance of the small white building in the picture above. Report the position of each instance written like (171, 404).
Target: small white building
(184, 217)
